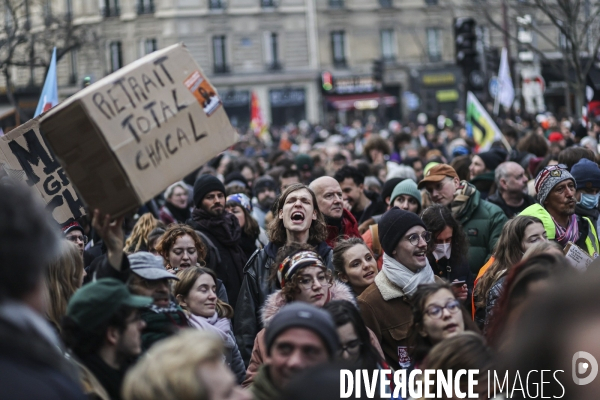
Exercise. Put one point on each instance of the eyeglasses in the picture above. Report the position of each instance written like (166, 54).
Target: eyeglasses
(351, 347)
(436, 311)
(306, 282)
(76, 239)
(414, 238)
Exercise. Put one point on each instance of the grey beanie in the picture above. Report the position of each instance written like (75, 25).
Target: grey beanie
(408, 187)
(303, 315)
(548, 178)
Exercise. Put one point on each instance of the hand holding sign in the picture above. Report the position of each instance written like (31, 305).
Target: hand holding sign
(113, 236)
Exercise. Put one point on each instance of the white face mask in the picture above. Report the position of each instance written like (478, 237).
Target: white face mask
(442, 250)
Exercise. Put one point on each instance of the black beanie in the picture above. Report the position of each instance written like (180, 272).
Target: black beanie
(393, 226)
(204, 185)
(493, 158)
(388, 187)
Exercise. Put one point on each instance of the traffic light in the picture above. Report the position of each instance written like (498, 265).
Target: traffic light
(326, 81)
(465, 40)
(492, 60)
(378, 71)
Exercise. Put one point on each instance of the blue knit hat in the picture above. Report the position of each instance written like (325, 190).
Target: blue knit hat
(586, 174)
(409, 187)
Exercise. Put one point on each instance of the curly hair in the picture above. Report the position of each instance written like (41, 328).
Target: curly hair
(376, 142)
(174, 232)
(187, 279)
(277, 233)
(292, 287)
(436, 218)
(508, 252)
(138, 240)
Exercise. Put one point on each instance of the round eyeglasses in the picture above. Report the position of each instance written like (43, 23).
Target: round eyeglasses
(414, 238)
(436, 311)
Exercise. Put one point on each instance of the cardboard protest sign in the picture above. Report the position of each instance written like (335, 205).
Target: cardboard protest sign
(25, 156)
(127, 137)
(577, 257)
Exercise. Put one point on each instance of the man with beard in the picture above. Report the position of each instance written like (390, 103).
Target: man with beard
(363, 204)
(265, 190)
(340, 222)
(102, 329)
(149, 278)
(222, 229)
(556, 191)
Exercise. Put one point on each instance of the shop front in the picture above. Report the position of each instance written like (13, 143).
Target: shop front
(288, 105)
(439, 91)
(237, 106)
(358, 97)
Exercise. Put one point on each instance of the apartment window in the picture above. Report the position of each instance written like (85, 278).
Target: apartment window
(388, 44)
(434, 44)
(338, 46)
(271, 50)
(149, 46)
(267, 3)
(336, 3)
(111, 8)
(116, 56)
(220, 54)
(216, 4)
(386, 3)
(145, 6)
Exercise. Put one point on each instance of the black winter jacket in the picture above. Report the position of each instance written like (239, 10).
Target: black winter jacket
(453, 270)
(226, 269)
(255, 289)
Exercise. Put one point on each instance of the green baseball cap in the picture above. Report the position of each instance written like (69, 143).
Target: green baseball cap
(96, 302)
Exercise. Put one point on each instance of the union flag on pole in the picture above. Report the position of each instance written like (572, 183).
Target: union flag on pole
(49, 97)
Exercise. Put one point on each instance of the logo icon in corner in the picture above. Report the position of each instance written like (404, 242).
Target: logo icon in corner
(580, 367)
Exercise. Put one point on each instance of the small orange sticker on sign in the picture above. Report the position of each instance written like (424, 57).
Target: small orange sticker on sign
(203, 92)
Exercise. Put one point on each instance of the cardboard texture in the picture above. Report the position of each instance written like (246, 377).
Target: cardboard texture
(130, 135)
(577, 257)
(24, 156)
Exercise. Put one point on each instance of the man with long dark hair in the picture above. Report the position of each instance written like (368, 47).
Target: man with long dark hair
(297, 220)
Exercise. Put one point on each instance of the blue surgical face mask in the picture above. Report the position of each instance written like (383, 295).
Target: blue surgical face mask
(589, 201)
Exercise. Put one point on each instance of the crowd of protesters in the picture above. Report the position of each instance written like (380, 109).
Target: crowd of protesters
(265, 272)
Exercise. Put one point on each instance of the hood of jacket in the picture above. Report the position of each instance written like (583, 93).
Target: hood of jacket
(584, 212)
(536, 210)
(472, 204)
(274, 302)
(349, 228)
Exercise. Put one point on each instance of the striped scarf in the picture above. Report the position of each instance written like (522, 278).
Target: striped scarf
(568, 234)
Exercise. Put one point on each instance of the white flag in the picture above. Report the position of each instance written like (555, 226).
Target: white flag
(506, 90)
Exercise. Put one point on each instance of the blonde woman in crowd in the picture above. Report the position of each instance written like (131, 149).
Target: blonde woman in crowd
(196, 293)
(138, 240)
(186, 366)
(63, 277)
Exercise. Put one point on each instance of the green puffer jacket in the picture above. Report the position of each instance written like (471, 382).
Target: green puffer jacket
(482, 222)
